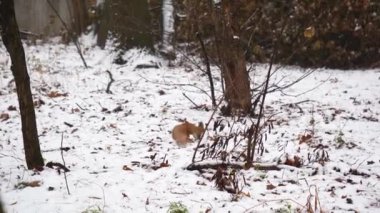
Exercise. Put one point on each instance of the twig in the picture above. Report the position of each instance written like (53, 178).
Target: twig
(251, 147)
(170, 84)
(181, 193)
(208, 123)
(196, 105)
(64, 164)
(296, 103)
(363, 161)
(256, 166)
(80, 107)
(273, 200)
(75, 40)
(109, 84)
(104, 197)
(291, 84)
(59, 165)
(309, 90)
(208, 70)
(4, 155)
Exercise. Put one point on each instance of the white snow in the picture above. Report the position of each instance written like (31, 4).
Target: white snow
(101, 141)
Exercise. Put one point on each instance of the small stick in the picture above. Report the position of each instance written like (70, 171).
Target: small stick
(64, 164)
(190, 100)
(79, 106)
(109, 84)
(208, 123)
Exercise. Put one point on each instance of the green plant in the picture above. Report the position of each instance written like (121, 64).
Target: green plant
(177, 207)
(92, 209)
(263, 176)
(286, 209)
(339, 140)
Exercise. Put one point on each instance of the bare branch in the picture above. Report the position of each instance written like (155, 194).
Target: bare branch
(208, 69)
(196, 105)
(208, 123)
(64, 164)
(73, 37)
(256, 166)
(109, 84)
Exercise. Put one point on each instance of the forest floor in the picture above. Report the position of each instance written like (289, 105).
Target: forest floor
(121, 156)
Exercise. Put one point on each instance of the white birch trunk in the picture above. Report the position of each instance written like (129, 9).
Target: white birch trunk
(168, 26)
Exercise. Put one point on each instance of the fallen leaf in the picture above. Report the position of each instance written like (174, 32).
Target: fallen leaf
(161, 92)
(309, 32)
(270, 186)
(296, 161)
(305, 138)
(55, 94)
(4, 116)
(201, 183)
(75, 110)
(126, 168)
(118, 109)
(25, 184)
(12, 108)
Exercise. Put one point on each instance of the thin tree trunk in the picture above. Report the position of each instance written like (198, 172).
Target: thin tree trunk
(103, 28)
(167, 29)
(80, 16)
(11, 38)
(1, 207)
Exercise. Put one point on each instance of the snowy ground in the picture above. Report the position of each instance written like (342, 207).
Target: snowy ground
(108, 134)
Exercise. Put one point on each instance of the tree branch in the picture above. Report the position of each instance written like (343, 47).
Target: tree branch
(64, 164)
(109, 84)
(208, 69)
(256, 166)
(74, 38)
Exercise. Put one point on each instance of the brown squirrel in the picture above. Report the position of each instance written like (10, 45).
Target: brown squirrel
(181, 132)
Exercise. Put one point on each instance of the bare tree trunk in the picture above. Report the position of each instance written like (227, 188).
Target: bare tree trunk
(11, 38)
(1, 207)
(103, 23)
(167, 48)
(232, 60)
(79, 16)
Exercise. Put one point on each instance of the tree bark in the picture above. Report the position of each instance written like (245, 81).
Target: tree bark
(103, 25)
(232, 60)
(1, 207)
(12, 41)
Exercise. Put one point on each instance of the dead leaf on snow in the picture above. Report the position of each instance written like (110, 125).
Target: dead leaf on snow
(38, 103)
(12, 108)
(56, 94)
(73, 110)
(295, 161)
(4, 116)
(306, 138)
(270, 186)
(126, 168)
(201, 183)
(25, 184)
(117, 109)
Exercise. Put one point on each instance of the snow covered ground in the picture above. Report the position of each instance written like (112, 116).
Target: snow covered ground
(116, 142)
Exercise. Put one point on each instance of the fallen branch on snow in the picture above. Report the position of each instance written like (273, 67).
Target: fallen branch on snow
(108, 90)
(256, 166)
